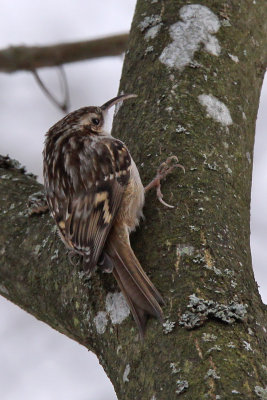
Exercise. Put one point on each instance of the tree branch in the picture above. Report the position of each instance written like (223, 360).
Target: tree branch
(38, 275)
(16, 58)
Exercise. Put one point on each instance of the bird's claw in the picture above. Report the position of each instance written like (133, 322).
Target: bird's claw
(74, 258)
(164, 169)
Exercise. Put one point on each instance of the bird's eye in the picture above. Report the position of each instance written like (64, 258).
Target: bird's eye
(95, 121)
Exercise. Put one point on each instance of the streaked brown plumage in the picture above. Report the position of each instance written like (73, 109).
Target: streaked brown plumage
(96, 197)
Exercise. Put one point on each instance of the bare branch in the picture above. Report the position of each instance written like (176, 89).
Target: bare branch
(15, 58)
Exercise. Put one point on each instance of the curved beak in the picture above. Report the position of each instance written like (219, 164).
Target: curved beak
(116, 100)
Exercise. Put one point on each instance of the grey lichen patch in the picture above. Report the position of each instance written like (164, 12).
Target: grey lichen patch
(119, 348)
(3, 289)
(228, 169)
(45, 242)
(101, 322)
(199, 310)
(169, 109)
(234, 58)
(182, 250)
(247, 346)
(54, 229)
(168, 326)
(216, 270)
(212, 374)
(207, 262)
(198, 259)
(36, 249)
(197, 27)
(185, 249)
(229, 272)
(214, 348)
(248, 157)
(8, 163)
(233, 284)
(149, 49)
(149, 22)
(174, 369)
(117, 307)
(126, 373)
(261, 392)
(212, 166)
(250, 332)
(226, 22)
(6, 176)
(182, 129)
(152, 32)
(181, 386)
(208, 337)
(37, 203)
(55, 255)
(194, 228)
(231, 345)
(216, 109)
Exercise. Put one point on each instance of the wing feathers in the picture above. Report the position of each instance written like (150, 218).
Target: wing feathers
(92, 193)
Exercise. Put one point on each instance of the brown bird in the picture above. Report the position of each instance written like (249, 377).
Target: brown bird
(96, 197)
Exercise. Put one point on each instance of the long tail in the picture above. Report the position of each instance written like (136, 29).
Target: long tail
(139, 292)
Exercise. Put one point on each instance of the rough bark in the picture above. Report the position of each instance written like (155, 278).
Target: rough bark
(213, 343)
(16, 58)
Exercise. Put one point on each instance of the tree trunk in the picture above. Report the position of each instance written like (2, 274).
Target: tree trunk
(197, 71)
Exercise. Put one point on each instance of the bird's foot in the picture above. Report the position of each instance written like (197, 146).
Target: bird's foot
(164, 169)
(74, 258)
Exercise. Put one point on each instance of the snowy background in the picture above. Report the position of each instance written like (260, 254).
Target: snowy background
(36, 362)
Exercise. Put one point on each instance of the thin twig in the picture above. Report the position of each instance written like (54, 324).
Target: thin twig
(64, 88)
(64, 105)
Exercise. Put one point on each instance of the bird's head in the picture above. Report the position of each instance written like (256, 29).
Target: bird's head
(90, 120)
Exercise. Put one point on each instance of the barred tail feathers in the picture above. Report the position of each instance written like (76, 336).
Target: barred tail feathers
(139, 292)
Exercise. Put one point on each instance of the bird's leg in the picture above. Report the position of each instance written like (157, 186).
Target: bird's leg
(164, 169)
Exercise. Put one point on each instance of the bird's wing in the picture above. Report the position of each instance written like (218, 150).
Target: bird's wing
(96, 187)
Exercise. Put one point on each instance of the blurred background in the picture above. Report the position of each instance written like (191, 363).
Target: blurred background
(36, 361)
